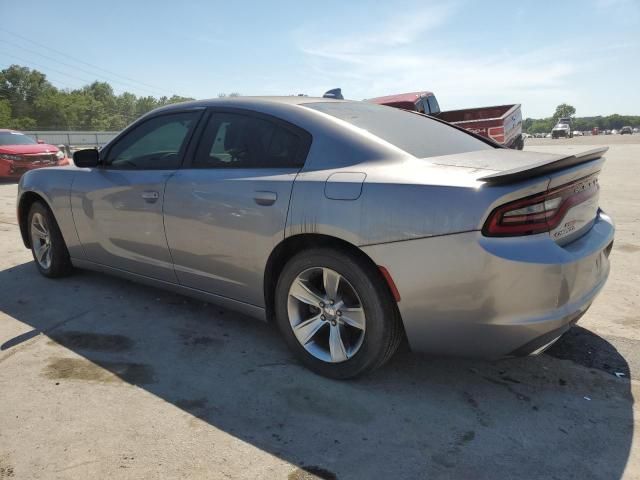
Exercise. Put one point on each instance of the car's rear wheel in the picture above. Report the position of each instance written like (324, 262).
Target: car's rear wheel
(47, 245)
(336, 313)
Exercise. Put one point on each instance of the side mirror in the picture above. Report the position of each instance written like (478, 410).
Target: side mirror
(40, 141)
(86, 158)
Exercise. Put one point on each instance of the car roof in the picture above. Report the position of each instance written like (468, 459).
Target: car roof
(401, 97)
(250, 101)
(265, 104)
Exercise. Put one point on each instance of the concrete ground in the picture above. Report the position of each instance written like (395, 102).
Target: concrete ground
(103, 378)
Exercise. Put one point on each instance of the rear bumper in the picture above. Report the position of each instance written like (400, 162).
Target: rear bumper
(470, 295)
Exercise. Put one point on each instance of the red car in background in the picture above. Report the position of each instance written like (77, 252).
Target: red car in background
(20, 153)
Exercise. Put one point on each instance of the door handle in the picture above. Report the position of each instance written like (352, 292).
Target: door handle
(265, 198)
(150, 196)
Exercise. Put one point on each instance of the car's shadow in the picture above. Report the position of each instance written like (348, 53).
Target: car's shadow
(418, 417)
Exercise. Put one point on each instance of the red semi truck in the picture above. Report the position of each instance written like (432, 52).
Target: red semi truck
(502, 123)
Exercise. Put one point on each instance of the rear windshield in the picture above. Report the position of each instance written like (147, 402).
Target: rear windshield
(417, 135)
(11, 138)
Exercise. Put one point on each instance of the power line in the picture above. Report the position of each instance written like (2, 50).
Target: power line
(75, 67)
(83, 62)
(127, 117)
(62, 84)
(22, 59)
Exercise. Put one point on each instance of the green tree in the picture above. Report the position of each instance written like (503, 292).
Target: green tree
(22, 86)
(564, 110)
(29, 101)
(5, 113)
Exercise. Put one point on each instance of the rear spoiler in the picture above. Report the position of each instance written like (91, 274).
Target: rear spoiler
(542, 168)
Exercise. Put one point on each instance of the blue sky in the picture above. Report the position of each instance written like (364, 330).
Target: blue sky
(470, 53)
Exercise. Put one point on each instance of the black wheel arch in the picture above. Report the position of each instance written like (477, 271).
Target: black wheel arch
(27, 199)
(290, 246)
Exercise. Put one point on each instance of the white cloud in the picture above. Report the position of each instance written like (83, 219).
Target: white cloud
(391, 58)
(615, 3)
(624, 12)
(394, 32)
(415, 52)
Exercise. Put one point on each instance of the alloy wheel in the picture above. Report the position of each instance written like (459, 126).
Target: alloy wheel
(326, 314)
(41, 240)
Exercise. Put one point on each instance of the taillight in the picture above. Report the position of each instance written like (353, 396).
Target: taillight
(541, 212)
(496, 134)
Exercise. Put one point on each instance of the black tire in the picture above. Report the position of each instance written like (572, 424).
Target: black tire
(518, 144)
(60, 264)
(383, 333)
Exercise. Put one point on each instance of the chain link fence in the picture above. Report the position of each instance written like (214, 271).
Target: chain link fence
(70, 141)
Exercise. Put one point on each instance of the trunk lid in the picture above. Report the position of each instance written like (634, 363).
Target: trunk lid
(512, 167)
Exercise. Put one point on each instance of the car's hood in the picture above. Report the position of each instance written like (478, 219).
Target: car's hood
(28, 149)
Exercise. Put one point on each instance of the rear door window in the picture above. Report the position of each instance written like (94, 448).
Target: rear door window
(234, 140)
(418, 135)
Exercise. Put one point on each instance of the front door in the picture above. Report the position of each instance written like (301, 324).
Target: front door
(227, 209)
(118, 207)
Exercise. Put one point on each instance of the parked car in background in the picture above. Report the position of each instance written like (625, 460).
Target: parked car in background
(562, 129)
(502, 123)
(577, 133)
(626, 131)
(350, 225)
(20, 153)
(614, 132)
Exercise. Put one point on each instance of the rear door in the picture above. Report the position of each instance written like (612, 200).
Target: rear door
(117, 208)
(226, 209)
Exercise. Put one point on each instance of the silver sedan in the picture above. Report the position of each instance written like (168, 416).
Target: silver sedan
(352, 226)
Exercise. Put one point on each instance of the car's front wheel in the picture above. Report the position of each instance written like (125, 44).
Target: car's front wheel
(47, 245)
(336, 313)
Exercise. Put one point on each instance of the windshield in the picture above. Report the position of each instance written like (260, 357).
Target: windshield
(418, 135)
(15, 138)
